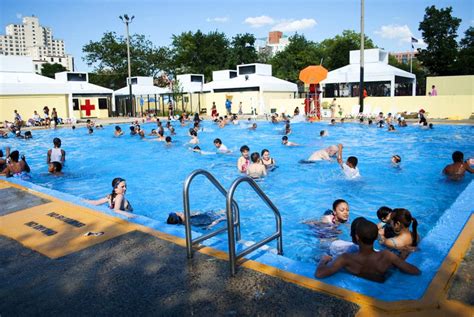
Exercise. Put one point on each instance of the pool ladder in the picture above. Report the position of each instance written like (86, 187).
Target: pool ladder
(233, 218)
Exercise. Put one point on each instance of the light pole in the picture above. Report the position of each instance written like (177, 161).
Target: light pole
(361, 84)
(125, 19)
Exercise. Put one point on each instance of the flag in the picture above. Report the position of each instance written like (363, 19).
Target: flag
(414, 40)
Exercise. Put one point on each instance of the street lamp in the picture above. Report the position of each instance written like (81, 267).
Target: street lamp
(125, 19)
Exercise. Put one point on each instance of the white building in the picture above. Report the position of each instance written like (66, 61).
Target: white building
(274, 43)
(380, 78)
(32, 39)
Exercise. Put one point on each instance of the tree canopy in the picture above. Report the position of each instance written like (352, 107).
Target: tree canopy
(49, 70)
(439, 32)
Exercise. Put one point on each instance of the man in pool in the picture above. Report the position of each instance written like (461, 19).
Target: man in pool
(366, 263)
(456, 170)
(221, 148)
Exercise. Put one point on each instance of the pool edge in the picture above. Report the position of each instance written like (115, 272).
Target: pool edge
(435, 296)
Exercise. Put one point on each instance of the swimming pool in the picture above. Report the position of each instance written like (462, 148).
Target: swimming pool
(155, 175)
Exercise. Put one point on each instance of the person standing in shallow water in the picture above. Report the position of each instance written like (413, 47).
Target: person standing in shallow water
(116, 200)
(458, 168)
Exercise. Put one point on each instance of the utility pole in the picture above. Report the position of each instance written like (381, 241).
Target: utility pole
(361, 84)
(125, 19)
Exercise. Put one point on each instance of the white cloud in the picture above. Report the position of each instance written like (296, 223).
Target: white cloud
(401, 33)
(19, 15)
(260, 21)
(294, 25)
(218, 19)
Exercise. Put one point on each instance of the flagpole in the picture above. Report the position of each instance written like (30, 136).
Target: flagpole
(411, 58)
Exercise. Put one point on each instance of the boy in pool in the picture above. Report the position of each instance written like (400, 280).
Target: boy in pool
(396, 160)
(168, 140)
(206, 220)
(221, 148)
(243, 162)
(118, 131)
(366, 263)
(350, 166)
(456, 170)
(284, 141)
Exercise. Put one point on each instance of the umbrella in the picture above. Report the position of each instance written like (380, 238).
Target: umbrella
(313, 74)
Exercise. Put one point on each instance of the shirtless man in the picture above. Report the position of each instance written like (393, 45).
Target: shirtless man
(456, 170)
(366, 263)
(324, 154)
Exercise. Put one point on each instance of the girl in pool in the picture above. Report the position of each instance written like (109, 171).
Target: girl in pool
(339, 213)
(256, 170)
(266, 160)
(116, 200)
(404, 239)
(16, 168)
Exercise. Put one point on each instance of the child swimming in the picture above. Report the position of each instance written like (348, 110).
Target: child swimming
(256, 170)
(118, 131)
(55, 168)
(206, 220)
(221, 148)
(350, 166)
(284, 141)
(243, 162)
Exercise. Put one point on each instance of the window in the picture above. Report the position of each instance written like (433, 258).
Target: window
(244, 70)
(75, 105)
(196, 79)
(103, 103)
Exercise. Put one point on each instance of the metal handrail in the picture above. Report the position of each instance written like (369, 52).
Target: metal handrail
(187, 212)
(277, 235)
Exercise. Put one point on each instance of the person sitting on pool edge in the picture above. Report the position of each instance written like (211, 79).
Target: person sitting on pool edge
(366, 263)
(456, 170)
(206, 219)
(116, 200)
(350, 166)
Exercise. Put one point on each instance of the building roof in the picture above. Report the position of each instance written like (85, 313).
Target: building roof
(263, 82)
(20, 83)
(376, 68)
(139, 90)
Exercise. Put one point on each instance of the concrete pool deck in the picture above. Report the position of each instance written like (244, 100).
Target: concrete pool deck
(132, 269)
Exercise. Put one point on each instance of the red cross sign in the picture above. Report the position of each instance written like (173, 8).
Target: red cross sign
(88, 107)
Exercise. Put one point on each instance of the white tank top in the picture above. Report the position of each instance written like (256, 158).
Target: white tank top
(56, 155)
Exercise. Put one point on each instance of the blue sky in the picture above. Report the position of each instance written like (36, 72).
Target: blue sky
(390, 24)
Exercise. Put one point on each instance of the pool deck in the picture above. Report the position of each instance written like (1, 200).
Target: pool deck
(48, 266)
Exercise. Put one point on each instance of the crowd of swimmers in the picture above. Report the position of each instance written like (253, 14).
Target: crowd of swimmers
(396, 232)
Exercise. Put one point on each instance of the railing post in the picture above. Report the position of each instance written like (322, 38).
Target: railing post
(230, 233)
(187, 216)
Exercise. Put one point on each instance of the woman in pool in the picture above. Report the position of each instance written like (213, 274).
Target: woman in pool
(266, 160)
(16, 168)
(256, 170)
(404, 239)
(339, 213)
(116, 200)
(118, 131)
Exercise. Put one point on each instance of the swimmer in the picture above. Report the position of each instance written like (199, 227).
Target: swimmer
(153, 133)
(243, 162)
(323, 133)
(28, 135)
(116, 200)
(90, 131)
(73, 127)
(253, 127)
(339, 213)
(366, 263)
(55, 168)
(194, 137)
(385, 214)
(404, 239)
(89, 124)
(333, 122)
(456, 170)
(369, 122)
(256, 170)
(15, 167)
(287, 129)
(196, 149)
(168, 140)
(206, 220)
(342, 120)
(221, 148)
(118, 131)
(324, 154)
(391, 128)
(56, 154)
(396, 160)
(350, 166)
(284, 141)
(266, 160)
(161, 136)
(3, 161)
(361, 120)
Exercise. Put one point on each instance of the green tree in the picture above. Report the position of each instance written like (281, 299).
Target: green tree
(242, 50)
(299, 53)
(49, 70)
(439, 32)
(199, 53)
(417, 69)
(465, 63)
(109, 58)
(336, 50)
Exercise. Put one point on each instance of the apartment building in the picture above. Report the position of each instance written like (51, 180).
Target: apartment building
(32, 39)
(274, 43)
(404, 57)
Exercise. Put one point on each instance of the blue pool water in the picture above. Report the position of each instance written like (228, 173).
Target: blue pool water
(155, 174)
